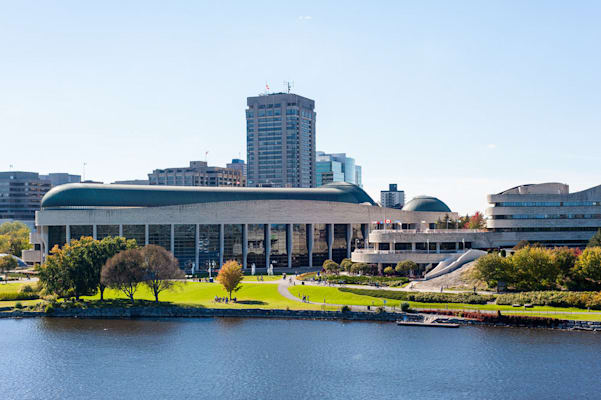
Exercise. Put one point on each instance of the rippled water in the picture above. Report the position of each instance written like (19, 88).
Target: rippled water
(277, 359)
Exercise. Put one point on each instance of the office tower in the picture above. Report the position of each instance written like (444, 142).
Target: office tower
(197, 174)
(20, 195)
(280, 140)
(392, 198)
(336, 167)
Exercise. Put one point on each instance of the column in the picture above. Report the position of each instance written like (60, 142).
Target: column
(365, 231)
(45, 239)
(244, 245)
(456, 246)
(412, 246)
(330, 232)
(349, 239)
(267, 243)
(289, 238)
(221, 243)
(68, 234)
(196, 258)
(146, 234)
(437, 247)
(172, 239)
(310, 244)
(121, 230)
(94, 231)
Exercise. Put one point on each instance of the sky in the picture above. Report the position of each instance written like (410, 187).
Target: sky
(452, 99)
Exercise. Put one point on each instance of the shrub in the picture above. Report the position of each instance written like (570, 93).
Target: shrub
(553, 299)
(404, 267)
(331, 266)
(467, 298)
(49, 308)
(346, 264)
(345, 309)
(12, 296)
(26, 289)
(364, 269)
(388, 271)
(18, 305)
(366, 280)
(380, 310)
(405, 306)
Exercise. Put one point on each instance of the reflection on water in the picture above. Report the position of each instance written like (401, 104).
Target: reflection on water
(208, 358)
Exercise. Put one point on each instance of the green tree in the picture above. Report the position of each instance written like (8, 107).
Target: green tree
(535, 269)
(363, 269)
(14, 238)
(405, 267)
(230, 275)
(161, 268)
(565, 258)
(588, 265)
(7, 263)
(331, 267)
(76, 268)
(346, 264)
(388, 271)
(595, 241)
(124, 271)
(492, 269)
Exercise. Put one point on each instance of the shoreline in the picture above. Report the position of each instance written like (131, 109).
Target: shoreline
(185, 312)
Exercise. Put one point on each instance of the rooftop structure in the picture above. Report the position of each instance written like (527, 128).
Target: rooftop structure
(392, 197)
(426, 203)
(197, 174)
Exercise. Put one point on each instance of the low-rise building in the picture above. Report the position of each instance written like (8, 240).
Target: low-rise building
(197, 174)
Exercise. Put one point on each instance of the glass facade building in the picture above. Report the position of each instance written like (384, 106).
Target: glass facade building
(337, 167)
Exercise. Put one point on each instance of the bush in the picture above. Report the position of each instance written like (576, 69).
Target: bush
(405, 307)
(346, 264)
(26, 289)
(49, 308)
(345, 309)
(404, 267)
(553, 299)
(466, 298)
(366, 280)
(12, 296)
(364, 269)
(388, 271)
(18, 305)
(331, 266)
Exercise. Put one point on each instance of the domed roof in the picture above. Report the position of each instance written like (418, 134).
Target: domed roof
(426, 203)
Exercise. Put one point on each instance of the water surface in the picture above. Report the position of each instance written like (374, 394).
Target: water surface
(293, 359)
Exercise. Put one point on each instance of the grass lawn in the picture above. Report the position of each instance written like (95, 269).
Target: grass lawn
(202, 294)
(578, 317)
(335, 296)
(14, 287)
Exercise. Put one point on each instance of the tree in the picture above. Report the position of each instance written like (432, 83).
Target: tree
(406, 266)
(492, 269)
(535, 269)
(331, 266)
(346, 264)
(588, 265)
(75, 269)
(230, 275)
(7, 263)
(160, 267)
(565, 258)
(595, 241)
(124, 272)
(14, 238)
(476, 221)
(388, 271)
(363, 269)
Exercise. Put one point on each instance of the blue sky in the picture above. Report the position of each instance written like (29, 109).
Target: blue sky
(452, 99)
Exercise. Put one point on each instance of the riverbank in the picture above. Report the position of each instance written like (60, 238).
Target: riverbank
(198, 312)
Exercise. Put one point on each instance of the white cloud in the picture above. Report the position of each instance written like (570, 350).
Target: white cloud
(304, 17)
(491, 146)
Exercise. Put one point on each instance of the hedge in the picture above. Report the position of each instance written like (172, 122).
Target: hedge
(553, 298)
(466, 298)
(365, 280)
(11, 296)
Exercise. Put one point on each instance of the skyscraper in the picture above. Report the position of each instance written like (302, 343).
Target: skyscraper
(280, 140)
(392, 198)
(337, 167)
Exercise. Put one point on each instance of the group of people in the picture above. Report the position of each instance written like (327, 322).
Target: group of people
(224, 299)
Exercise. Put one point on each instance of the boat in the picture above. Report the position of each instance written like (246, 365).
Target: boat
(429, 324)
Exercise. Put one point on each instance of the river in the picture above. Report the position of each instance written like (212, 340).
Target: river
(291, 359)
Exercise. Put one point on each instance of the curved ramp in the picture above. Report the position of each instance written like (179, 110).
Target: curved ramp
(453, 262)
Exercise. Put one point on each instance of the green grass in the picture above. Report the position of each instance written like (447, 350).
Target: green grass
(577, 317)
(14, 287)
(335, 296)
(202, 294)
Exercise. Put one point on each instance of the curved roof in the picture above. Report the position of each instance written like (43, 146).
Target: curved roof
(426, 203)
(94, 195)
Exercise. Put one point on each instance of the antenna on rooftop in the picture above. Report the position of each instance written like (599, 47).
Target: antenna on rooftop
(288, 86)
(206, 156)
(84, 170)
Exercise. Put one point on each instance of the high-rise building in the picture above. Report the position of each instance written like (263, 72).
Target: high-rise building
(60, 178)
(197, 174)
(280, 140)
(238, 164)
(336, 167)
(21, 194)
(392, 198)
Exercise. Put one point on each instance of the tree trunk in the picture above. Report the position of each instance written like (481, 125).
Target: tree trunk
(101, 288)
(156, 296)
(230, 295)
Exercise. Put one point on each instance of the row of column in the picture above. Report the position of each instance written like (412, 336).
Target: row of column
(267, 240)
(413, 247)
